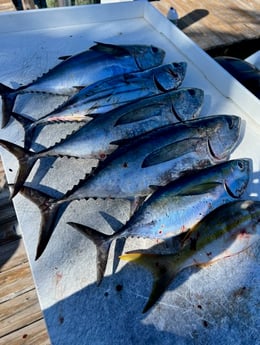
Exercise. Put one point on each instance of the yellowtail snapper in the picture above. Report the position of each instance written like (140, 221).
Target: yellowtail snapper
(226, 231)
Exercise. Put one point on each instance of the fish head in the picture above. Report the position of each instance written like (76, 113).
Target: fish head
(187, 103)
(226, 231)
(146, 56)
(236, 177)
(243, 224)
(223, 134)
(170, 76)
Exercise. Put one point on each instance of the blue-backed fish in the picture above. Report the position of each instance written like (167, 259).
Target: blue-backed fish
(94, 139)
(98, 62)
(154, 159)
(176, 207)
(109, 94)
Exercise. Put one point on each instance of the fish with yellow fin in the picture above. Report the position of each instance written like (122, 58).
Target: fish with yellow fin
(175, 208)
(226, 231)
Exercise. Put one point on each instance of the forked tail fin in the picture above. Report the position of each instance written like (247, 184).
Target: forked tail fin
(51, 212)
(26, 160)
(8, 98)
(102, 242)
(28, 127)
(163, 268)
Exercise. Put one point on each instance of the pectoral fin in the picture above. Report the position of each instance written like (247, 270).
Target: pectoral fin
(199, 189)
(171, 151)
(131, 116)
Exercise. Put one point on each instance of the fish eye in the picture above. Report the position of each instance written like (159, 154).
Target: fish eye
(191, 92)
(154, 49)
(240, 165)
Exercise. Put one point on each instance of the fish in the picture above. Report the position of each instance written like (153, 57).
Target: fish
(100, 61)
(226, 231)
(109, 94)
(175, 208)
(135, 168)
(93, 140)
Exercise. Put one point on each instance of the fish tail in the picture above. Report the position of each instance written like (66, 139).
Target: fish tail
(163, 268)
(26, 160)
(5, 89)
(28, 126)
(51, 212)
(24, 121)
(8, 98)
(102, 243)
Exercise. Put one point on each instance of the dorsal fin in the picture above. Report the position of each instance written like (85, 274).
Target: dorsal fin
(79, 87)
(64, 57)
(109, 49)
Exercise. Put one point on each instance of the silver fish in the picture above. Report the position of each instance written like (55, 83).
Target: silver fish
(226, 231)
(154, 159)
(98, 62)
(176, 207)
(111, 93)
(94, 139)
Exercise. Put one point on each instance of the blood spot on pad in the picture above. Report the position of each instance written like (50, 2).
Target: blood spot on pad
(119, 287)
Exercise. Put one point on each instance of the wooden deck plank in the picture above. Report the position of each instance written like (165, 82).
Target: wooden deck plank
(15, 281)
(19, 312)
(21, 318)
(33, 334)
(6, 6)
(226, 22)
